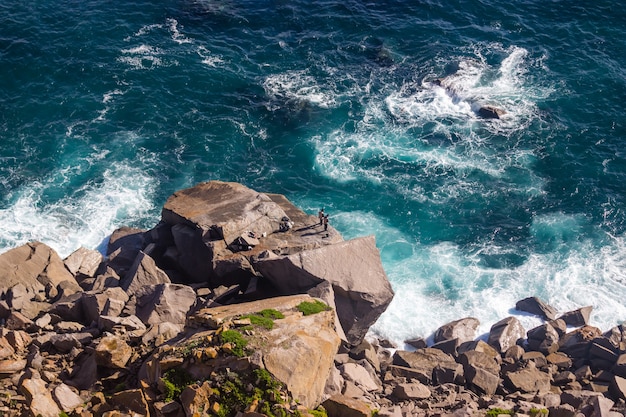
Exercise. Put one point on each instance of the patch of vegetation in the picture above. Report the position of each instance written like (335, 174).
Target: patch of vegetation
(63, 414)
(264, 318)
(175, 381)
(307, 307)
(318, 412)
(494, 412)
(237, 341)
(238, 392)
(538, 412)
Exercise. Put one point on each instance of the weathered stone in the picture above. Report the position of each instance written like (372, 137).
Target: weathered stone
(195, 398)
(70, 308)
(33, 264)
(123, 247)
(85, 372)
(11, 366)
(170, 409)
(66, 342)
(132, 399)
(366, 351)
(417, 343)
(424, 361)
(543, 338)
(559, 359)
(577, 318)
(6, 350)
(358, 374)
(506, 333)
(130, 323)
(538, 358)
(618, 388)
(108, 302)
(19, 340)
(562, 410)
(164, 302)
(160, 333)
(464, 330)
(577, 342)
(83, 261)
(113, 352)
(17, 321)
(341, 406)
(141, 273)
(536, 306)
(529, 380)
(68, 327)
(411, 391)
(38, 398)
(67, 399)
(299, 350)
(362, 290)
(481, 370)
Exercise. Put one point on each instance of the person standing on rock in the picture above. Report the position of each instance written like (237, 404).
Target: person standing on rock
(326, 222)
(320, 214)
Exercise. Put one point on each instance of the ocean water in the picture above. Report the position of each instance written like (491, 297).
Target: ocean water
(107, 108)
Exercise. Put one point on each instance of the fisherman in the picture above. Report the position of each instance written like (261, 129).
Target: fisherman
(325, 222)
(320, 214)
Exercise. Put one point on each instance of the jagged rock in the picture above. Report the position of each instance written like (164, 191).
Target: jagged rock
(160, 333)
(131, 400)
(481, 371)
(18, 339)
(366, 351)
(6, 350)
(506, 333)
(195, 398)
(68, 327)
(67, 399)
(17, 321)
(108, 279)
(362, 290)
(66, 342)
(164, 302)
(363, 378)
(601, 407)
(544, 339)
(602, 348)
(38, 398)
(83, 261)
(334, 384)
(129, 324)
(170, 409)
(70, 308)
(577, 342)
(577, 318)
(33, 264)
(417, 343)
(562, 410)
(529, 380)
(141, 273)
(464, 330)
(85, 372)
(342, 406)
(422, 362)
(560, 359)
(113, 352)
(123, 247)
(411, 391)
(536, 306)
(109, 302)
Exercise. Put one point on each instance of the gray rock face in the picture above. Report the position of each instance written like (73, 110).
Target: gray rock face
(577, 318)
(536, 306)
(506, 333)
(463, 329)
(164, 303)
(143, 272)
(353, 268)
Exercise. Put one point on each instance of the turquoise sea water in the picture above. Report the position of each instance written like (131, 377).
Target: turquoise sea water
(106, 108)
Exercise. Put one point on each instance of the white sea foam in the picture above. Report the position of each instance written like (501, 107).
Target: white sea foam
(85, 217)
(142, 57)
(299, 86)
(440, 283)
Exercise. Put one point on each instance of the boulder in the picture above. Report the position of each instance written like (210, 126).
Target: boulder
(411, 391)
(113, 352)
(506, 333)
(530, 380)
(361, 376)
(481, 371)
(84, 262)
(299, 350)
(143, 272)
(423, 362)
(464, 330)
(164, 303)
(536, 306)
(67, 399)
(132, 400)
(38, 398)
(108, 302)
(123, 247)
(578, 317)
(353, 268)
(33, 265)
(543, 338)
(342, 406)
(490, 112)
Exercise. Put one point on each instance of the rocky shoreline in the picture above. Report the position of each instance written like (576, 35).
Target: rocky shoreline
(238, 303)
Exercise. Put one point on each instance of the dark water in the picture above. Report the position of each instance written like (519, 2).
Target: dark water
(108, 108)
